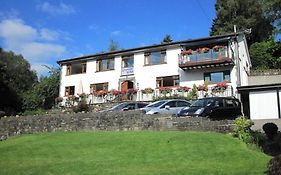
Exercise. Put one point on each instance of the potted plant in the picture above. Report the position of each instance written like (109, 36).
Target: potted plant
(186, 52)
(220, 87)
(147, 91)
(217, 48)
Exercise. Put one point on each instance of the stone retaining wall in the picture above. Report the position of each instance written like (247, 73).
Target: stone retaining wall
(123, 121)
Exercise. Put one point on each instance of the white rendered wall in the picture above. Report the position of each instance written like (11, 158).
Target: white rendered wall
(146, 75)
(263, 105)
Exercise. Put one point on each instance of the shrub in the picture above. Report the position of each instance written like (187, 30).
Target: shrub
(274, 165)
(270, 130)
(242, 129)
(82, 106)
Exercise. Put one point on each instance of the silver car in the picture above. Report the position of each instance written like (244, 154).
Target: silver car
(172, 106)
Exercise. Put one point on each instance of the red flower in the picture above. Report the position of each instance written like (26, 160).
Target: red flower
(183, 89)
(114, 92)
(221, 86)
(165, 89)
(132, 91)
(202, 88)
(188, 52)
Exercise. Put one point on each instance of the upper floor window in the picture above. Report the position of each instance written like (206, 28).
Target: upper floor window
(69, 90)
(105, 64)
(76, 68)
(167, 81)
(128, 61)
(156, 57)
(216, 77)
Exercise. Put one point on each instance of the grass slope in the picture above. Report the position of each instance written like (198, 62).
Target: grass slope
(129, 153)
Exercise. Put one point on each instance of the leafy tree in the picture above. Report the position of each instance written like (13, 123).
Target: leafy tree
(44, 93)
(167, 39)
(16, 78)
(266, 54)
(244, 14)
(113, 46)
(272, 9)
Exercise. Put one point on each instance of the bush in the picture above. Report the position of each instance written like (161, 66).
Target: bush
(82, 106)
(171, 97)
(270, 130)
(242, 129)
(38, 111)
(274, 166)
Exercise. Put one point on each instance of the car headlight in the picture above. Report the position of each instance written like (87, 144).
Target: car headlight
(199, 111)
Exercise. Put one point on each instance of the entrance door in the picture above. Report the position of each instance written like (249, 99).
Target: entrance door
(125, 86)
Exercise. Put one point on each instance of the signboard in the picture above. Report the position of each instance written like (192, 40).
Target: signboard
(127, 71)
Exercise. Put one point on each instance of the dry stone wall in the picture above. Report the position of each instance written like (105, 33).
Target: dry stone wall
(110, 121)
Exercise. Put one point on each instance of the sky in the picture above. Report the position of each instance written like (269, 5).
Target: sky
(47, 31)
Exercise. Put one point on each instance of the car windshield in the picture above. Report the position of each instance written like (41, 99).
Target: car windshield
(156, 104)
(202, 102)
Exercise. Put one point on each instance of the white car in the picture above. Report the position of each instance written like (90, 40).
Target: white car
(172, 106)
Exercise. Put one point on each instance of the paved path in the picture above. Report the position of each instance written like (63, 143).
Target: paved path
(259, 123)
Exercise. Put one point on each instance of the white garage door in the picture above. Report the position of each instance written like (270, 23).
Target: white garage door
(263, 105)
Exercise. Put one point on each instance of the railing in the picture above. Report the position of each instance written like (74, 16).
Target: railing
(140, 96)
(203, 56)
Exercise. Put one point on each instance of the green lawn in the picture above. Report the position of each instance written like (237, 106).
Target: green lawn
(129, 153)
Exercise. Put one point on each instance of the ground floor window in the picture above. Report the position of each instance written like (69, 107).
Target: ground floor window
(167, 81)
(69, 90)
(215, 77)
(98, 87)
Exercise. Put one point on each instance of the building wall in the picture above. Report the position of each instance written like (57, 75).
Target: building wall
(145, 76)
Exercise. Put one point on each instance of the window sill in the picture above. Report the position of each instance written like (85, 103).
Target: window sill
(76, 74)
(104, 70)
(155, 64)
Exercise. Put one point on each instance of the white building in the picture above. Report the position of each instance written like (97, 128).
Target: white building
(183, 63)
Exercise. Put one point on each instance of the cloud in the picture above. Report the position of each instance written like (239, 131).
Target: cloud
(60, 9)
(115, 33)
(49, 35)
(34, 44)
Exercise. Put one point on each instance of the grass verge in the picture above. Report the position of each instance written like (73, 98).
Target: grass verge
(129, 153)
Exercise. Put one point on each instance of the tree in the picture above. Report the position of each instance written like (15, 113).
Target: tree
(16, 78)
(245, 14)
(113, 46)
(272, 9)
(167, 39)
(266, 54)
(44, 93)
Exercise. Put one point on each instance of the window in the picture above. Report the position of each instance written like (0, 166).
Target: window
(152, 58)
(69, 90)
(171, 104)
(216, 77)
(128, 61)
(182, 104)
(98, 87)
(167, 81)
(105, 64)
(231, 103)
(76, 68)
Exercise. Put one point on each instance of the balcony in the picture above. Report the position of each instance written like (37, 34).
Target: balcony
(204, 58)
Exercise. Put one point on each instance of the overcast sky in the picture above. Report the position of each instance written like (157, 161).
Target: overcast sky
(47, 31)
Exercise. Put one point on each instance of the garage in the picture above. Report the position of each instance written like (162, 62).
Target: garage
(261, 101)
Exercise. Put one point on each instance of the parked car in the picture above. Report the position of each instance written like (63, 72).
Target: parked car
(172, 106)
(126, 106)
(213, 107)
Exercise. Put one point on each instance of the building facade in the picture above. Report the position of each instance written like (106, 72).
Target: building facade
(178, 64)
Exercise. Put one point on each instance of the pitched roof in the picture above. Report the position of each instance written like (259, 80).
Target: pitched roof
(204, 40)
